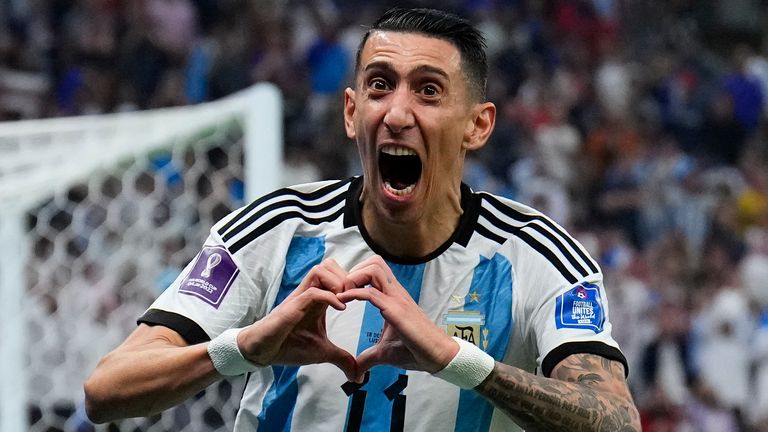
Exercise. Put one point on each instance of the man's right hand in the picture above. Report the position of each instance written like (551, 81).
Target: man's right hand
(294, 333)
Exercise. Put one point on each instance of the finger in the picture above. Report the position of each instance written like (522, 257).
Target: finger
(373, 275)
(378, 261)
(344, 361)
(331, 265)
(325, 277)
(314, 295)
(371, 295)
(366, 262)
(369, 358)
(322, 277)
(345, 282)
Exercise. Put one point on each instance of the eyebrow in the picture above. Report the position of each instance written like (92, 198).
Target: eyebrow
(387, 67)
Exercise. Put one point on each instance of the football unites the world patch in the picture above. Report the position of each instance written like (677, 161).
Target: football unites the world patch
(581, 307)
(211, 276)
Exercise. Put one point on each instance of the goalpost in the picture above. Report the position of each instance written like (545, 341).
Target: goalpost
(97, 215)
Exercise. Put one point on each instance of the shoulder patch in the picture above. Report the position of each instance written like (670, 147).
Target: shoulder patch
(581, 307)
(211, 276)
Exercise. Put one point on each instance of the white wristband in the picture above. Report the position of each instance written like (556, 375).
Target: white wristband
(226, 355)
(470, 366)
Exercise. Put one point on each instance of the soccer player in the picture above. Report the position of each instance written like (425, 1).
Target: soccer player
(398, 300)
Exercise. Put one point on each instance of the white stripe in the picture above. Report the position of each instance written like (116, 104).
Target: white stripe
(287, 197)
(544, 241)
(527, 227)
(280, 211)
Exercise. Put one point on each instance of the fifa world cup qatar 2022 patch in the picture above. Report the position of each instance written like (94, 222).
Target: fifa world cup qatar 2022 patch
(581, 307)
(211, 276)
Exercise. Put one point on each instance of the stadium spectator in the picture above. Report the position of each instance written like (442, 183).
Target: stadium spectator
(759, 405)
(723, 137)
(167, 58)
(667, 370)
(721, 333)
(745, 90)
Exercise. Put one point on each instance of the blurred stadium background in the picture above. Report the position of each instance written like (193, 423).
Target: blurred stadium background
(641, 126)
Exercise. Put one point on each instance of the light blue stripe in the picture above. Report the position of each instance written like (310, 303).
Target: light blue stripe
(464, 320)
(303, 254)
(492, 281)
(378, 409)
(277, 409)
(410, 277)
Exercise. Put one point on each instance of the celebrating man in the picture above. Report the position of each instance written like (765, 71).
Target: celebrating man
(398, 300)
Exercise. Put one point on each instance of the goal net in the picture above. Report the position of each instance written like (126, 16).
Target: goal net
(98, 215)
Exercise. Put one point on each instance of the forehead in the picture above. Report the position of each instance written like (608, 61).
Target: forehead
(410, 50)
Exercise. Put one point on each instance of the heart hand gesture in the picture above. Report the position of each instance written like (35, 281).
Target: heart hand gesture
(409, 340)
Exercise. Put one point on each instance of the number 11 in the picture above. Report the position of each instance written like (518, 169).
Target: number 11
(393, 393)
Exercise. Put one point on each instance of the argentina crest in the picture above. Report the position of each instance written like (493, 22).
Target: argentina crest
(467, 325)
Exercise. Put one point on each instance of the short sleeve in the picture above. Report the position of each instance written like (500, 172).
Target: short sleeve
(564, 317)
(214, 292)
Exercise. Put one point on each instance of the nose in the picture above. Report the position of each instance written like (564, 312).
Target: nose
(399, 115)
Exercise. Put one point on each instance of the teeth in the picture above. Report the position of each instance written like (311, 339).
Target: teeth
(398, 151)
(399, 192)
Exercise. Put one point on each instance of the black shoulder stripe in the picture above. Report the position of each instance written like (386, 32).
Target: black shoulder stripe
(284, 191)
(588, 347)
(288, 201)
(556, 231)
(532, 242)
(245, 210)
(277, 220)
(518, 230)
(485, 232)
(188, 329)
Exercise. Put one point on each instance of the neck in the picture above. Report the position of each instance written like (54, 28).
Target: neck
(420, 236)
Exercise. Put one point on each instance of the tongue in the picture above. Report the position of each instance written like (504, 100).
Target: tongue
(399, 185)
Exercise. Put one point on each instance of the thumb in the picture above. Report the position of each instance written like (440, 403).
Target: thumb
(342, 360)
(368, 359)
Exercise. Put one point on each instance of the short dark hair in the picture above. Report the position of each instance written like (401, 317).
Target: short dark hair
(442, 25)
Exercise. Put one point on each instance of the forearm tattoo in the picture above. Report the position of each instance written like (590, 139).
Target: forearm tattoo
(582, 395)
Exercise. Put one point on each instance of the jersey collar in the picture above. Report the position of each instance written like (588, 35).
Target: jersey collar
(470, 204)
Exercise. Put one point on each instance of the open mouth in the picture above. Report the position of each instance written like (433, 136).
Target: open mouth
(400, 169)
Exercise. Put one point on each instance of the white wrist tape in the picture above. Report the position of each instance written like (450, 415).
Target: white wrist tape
(226, 355)
(469, 368)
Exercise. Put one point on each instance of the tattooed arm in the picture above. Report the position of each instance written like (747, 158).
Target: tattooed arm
(586, 393)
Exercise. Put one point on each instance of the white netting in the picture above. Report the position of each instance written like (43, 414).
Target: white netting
(113, 208)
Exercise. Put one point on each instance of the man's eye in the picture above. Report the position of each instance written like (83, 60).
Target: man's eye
(378, 84)
(430, 90)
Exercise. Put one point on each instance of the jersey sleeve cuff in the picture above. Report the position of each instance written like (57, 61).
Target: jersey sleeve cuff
(591, 347)
(188, 329)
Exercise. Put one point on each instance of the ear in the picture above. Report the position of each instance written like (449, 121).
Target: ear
(480, 126)
(349, 112)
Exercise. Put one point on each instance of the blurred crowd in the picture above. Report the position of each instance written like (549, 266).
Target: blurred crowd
(642, 127)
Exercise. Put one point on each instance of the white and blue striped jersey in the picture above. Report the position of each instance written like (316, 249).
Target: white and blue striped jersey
(509, 280)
